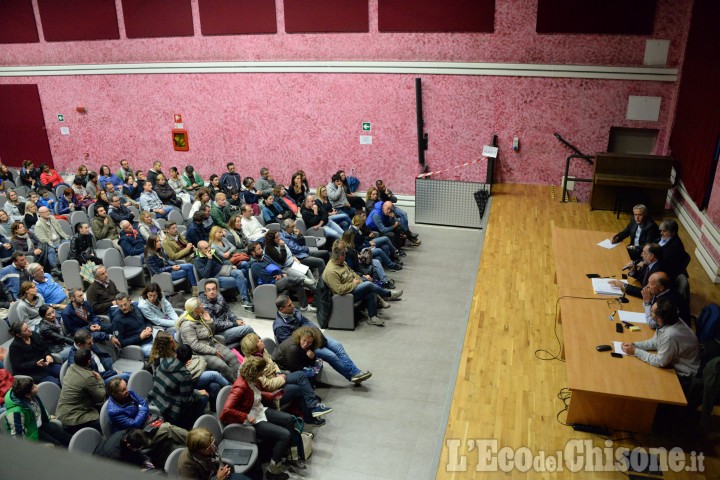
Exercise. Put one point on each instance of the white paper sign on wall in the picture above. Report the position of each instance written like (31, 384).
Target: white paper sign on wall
(643, 108)
(365, 139)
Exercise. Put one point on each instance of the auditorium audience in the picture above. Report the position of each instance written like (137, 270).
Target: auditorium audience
(52, 333)
(156, 308)
(147, 226)
(82, 247)
(176, 246)
(227, 324)
(129, 324)
(157, 261)
(102, 292)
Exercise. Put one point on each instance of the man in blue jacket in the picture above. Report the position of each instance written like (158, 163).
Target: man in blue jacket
(289, 319)
(127, 409)
(79, 315)
(196, 231)
(130, 326)
(130, 240)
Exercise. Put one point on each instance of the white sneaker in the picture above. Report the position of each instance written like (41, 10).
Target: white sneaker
(395, 294)
(376, 321)
(309, 308)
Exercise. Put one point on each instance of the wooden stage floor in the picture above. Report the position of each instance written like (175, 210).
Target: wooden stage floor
(504, 395)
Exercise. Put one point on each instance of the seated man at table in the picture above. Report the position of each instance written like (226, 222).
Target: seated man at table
(675, 343)
(674, 255)
(641, 230)
(652, 262)
(659, 287)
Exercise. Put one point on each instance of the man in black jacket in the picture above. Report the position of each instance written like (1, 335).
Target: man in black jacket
(641, 230)
(259, 268)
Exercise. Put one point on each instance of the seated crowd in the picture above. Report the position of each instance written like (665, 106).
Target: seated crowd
(235, 229)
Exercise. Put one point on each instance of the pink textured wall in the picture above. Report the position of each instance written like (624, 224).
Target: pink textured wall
(286, 121)
(514, 41)
(289, 121)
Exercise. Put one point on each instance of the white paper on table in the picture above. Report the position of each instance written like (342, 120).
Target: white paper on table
(299, 267)
(607, 243)
(601, 286)
(618, 349)
(632, 317)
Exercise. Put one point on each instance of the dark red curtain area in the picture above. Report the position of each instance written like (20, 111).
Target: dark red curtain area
(157, 18)
(619, 17)
(434, 16)
(326, 16)
(17, 22)
(237, 17)
(68, 20)
(696, 131)
(22, 126)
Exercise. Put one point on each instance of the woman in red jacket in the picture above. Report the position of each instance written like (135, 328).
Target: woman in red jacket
(50, 177)
(244, 406)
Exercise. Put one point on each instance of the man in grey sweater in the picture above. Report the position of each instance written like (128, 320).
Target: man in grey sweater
(676, 345)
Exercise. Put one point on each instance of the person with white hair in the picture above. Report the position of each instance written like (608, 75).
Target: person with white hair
(197, 330)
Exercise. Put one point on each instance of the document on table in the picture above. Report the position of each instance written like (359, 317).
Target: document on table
(618, 349)
(601, 286)
(632, 317)
(607, 243)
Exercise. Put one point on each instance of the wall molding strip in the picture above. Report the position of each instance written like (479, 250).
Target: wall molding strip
(653, 74)
(702, 233)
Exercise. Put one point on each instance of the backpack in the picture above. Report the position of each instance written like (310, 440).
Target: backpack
(323, 303)
(708, 323)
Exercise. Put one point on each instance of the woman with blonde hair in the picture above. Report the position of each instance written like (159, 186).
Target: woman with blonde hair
(147, 226)
(172, 390)
(341, 218)
(273, 427)
(221, 244)
(295, 385)
(31, 217)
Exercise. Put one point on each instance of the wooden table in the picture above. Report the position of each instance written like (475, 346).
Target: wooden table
(616, 393)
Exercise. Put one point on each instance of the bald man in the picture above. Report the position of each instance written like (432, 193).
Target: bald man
(659, 287)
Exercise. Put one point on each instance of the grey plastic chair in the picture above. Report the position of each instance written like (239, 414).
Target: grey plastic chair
(78, 216)
(185, 210)
(233, 436)
(270, 345)
(49, 393)
(63, 371)
(171, 464)
(63, 251)
(105, 424)
(264, 297)
(71, 274)
(141, 382)
(85, 441)
(13, 316)
(181, 228)
(117, 275)
(132, 273)
(343, 313)
(91, 211)
(66, 227)
(300, 225)
(166, 282)
(59, 190)
(176, 216)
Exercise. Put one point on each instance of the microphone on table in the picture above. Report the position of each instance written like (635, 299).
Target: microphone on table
(623, 299)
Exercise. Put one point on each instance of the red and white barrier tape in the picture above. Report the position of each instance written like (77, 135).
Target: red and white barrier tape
(423, 175)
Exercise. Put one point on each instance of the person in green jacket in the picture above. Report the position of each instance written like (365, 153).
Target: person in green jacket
(26, 416)
(193, 181)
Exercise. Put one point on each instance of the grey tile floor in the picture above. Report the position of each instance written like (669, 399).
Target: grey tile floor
(392, 426)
